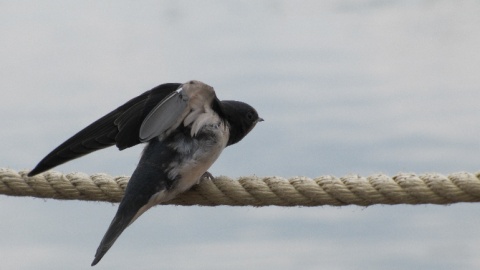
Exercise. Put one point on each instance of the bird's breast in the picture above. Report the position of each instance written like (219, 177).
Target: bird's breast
(195, 154)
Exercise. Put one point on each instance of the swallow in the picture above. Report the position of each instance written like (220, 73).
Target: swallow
(185, 128)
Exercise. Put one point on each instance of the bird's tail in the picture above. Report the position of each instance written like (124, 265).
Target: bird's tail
(118, 225)
(147, 180)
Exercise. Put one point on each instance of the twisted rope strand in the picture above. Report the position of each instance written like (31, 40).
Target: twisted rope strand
(404, 188)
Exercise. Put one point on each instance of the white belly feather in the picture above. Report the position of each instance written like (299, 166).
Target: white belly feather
(189, 171)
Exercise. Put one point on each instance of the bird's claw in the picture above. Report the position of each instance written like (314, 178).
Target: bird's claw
(207, 175)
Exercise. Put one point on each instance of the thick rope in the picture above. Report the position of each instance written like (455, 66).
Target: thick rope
(404, 188)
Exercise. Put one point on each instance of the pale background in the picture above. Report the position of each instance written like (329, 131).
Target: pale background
(344, 86)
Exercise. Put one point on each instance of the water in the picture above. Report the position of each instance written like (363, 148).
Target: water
(345, 87)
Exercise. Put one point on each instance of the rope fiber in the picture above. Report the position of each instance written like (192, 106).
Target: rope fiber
(404, 188)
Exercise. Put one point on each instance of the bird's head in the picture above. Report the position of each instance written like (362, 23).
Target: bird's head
(241, 118)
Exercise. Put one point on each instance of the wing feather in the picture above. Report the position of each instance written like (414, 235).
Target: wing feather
(165, 117)
(119, 127)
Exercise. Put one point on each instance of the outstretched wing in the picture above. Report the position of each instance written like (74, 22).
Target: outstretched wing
(120, 127)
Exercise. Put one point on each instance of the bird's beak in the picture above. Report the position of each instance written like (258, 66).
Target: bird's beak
(260, 120)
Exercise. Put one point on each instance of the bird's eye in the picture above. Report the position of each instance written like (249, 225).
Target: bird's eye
(250, 116)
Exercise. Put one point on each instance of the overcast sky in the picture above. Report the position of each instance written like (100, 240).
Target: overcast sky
(345, 87)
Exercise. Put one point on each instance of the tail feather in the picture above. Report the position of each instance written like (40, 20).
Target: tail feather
(146, 188)
(118, 225)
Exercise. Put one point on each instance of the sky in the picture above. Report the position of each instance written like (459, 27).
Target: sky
(345, 87)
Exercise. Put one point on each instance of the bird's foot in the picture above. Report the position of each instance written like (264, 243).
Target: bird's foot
(207, 175)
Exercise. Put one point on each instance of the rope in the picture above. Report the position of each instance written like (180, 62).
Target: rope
(404, 188)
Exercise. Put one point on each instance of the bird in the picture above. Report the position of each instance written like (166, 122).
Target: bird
(185, 128)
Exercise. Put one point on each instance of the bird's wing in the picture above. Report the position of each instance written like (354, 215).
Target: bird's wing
(120, 127)
(187, 106)
(166, 116)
